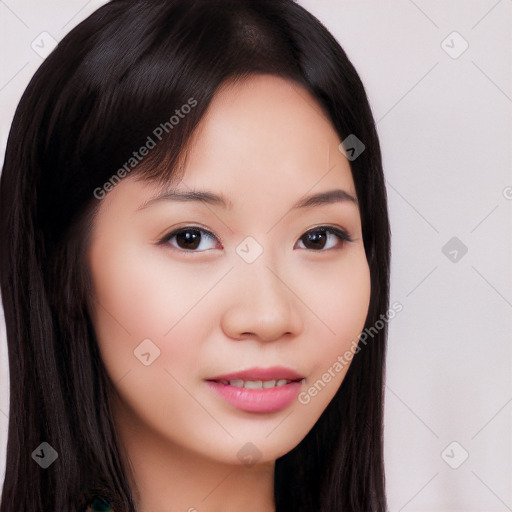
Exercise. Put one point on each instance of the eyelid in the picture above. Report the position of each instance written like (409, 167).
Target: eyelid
(342, 233)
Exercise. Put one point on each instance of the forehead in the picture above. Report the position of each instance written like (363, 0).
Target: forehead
(263, 143)
(266, 127)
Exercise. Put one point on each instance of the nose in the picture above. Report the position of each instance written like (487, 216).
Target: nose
(262, 304)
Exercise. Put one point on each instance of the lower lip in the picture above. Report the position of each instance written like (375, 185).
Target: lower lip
(257, 400)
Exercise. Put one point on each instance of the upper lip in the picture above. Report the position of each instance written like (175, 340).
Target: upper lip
(271, 373)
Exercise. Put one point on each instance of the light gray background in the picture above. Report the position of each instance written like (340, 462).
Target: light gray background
(444, 123)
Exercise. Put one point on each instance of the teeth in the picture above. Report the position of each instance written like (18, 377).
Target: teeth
(256, 384)
(253, 384)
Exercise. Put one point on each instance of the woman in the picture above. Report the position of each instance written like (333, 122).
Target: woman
(195, 234)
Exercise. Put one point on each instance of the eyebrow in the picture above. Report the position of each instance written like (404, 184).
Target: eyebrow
(321, 198)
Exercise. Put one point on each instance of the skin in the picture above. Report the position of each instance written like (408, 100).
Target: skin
(264, 144)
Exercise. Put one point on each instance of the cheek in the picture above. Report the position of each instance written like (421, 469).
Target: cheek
(138, 311)
(129, 290)
(349, 306)
(140, 296)
(341, 303)
(340, 300)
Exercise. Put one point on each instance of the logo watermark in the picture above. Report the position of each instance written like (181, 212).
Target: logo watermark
(342, 361)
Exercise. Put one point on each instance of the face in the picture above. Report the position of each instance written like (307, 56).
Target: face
(223, 324)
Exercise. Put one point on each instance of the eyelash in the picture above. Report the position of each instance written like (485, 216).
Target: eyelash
(342, 236)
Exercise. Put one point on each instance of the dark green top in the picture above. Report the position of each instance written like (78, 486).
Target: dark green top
(99, 505)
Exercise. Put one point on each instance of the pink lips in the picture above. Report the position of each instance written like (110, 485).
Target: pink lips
(262, 400)
(273, 373)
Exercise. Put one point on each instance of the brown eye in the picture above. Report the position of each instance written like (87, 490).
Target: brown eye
(317, 239)
(190, 239)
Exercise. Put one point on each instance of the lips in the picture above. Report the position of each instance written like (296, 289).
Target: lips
(264, 374)
(258, 390)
